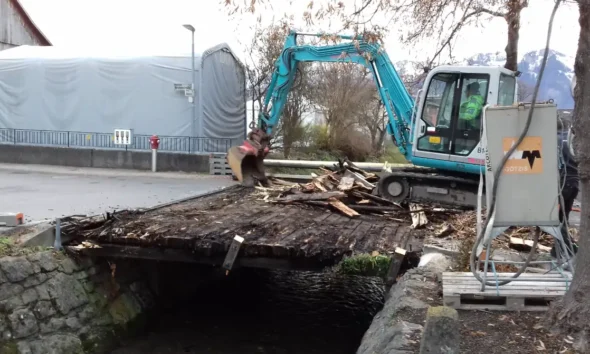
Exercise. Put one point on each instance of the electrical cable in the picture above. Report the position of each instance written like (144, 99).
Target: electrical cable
(498, 172)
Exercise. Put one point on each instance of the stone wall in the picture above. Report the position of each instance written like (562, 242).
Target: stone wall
(53, 304)
(398, 327)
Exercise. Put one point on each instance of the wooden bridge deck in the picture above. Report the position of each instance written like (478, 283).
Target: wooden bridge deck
(206, 226)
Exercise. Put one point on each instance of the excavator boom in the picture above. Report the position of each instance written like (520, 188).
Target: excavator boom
(247, 160)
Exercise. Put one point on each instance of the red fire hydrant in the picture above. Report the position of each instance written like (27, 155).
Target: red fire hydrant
(154, 142)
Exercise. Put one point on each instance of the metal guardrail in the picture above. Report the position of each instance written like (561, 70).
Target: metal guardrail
(178, 144)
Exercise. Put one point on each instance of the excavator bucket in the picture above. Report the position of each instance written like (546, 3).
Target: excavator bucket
(247, 164)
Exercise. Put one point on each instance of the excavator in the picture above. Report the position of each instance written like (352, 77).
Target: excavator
(434, 131)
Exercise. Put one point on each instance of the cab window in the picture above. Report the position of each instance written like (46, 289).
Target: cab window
(437, 113)
(506, 90)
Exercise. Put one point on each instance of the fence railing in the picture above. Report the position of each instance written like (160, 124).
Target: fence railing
(181, 144)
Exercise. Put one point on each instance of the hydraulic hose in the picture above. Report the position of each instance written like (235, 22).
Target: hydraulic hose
(498, 171)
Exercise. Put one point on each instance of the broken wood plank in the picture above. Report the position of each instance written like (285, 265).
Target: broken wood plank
(521, 245)
(445, 231)
(360, 179)
(375, 198)
(396, 262)
(312, 196)
(343, 208)
(346, 183)
(418, 219)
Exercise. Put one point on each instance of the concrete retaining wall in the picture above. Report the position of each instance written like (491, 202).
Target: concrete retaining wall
(53, 304)
(136, 160)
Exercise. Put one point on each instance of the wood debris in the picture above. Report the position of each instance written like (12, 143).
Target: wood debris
(347, 190)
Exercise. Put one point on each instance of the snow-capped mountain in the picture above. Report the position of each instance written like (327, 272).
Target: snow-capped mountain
(556, 78)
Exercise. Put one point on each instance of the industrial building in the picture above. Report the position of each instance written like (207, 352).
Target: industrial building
(56, 90)
(17, 27)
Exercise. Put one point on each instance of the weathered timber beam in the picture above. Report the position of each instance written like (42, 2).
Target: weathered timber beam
(186, 256)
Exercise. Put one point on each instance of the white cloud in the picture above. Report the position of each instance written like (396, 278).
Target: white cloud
(156, 25)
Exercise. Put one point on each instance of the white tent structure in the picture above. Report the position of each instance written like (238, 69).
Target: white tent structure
(56, 89)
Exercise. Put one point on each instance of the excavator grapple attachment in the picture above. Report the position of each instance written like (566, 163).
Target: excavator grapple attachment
(247, 160)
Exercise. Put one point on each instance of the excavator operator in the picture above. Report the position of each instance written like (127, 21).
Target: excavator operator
(470, 110)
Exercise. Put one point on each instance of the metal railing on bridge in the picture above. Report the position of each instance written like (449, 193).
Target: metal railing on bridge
(177, 144)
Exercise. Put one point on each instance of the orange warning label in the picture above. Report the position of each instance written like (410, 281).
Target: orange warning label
(527, 158)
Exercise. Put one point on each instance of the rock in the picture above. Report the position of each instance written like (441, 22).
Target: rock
(35, 280)
(73, 323)
(441, 333)
(391, 339)
(3, 278)
(29, 295)
(45, 260)
(53, 325)
(8, 290)
(68, 266)
(88, 286)
(44, 309)
(23, 323)
(67, 292)
(23, 348)
(87, 314)
(11, 304)
(16, 268)
(3, 323)
(43, 292)
(436, 263)
(124, 309)
(57, 344)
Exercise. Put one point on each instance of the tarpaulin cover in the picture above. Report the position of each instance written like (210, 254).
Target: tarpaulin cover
(50, 88)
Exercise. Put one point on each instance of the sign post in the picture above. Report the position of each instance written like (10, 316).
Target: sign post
(123, 137)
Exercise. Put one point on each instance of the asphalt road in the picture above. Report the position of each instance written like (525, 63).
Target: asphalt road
(47, 192)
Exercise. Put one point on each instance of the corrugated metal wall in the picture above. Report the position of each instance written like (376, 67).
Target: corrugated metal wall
(13, 31)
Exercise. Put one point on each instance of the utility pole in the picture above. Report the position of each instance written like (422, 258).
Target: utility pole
(194, 108)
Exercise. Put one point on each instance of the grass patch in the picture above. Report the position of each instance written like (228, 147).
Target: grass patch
(365, 265)
(8, 248)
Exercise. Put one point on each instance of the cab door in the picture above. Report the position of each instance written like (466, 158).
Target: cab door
(436, 121)
(467, 128)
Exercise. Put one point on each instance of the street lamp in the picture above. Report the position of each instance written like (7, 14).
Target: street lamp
(192, 29)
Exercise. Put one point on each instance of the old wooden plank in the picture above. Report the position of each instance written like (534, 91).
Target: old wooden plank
(378, 243)
(362, 231)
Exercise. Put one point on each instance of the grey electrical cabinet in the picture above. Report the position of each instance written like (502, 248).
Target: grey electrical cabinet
(528, 187)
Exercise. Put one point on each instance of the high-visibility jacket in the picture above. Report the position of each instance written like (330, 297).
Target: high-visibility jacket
(471, 108)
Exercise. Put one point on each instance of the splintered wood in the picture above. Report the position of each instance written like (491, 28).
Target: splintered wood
(347, 190)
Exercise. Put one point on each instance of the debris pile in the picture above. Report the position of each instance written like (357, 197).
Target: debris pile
(347, 190)
(463, 226)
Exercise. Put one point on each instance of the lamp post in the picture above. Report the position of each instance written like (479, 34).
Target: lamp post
(194, 118)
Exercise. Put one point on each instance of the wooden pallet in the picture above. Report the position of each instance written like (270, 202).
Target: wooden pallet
(463, 291)
(218, 165)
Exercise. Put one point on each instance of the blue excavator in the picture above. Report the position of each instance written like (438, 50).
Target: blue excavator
(431, 131)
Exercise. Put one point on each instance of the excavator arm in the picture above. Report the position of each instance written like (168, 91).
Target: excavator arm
(247, 160)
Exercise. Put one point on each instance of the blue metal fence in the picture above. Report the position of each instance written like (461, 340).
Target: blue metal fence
(179, 144)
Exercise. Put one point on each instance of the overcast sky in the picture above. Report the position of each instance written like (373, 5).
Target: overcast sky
(156, 25)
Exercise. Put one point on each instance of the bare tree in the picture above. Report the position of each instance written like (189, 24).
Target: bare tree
(442, 20)
(263, 51)
(290, 129)
(571, 313)
(339, 91)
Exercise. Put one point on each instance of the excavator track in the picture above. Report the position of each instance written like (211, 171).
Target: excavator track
(420, 185)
